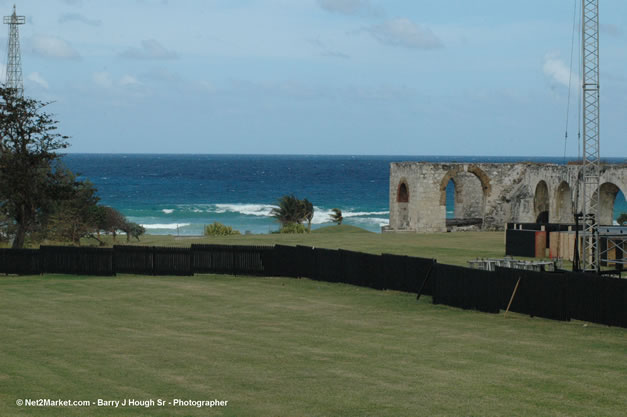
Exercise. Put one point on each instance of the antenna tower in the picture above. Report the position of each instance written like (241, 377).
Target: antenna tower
(591, 164)
(14, 62)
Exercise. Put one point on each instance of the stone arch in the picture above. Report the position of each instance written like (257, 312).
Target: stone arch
(541, 202)
(607, 199)
(402, 192)
(564, 204)
(445, 180)
(472, 186)
(483, 178)
(402, 200)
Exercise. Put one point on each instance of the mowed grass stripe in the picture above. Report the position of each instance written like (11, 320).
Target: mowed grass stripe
(292, 347)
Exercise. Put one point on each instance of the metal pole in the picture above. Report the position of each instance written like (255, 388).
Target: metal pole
(591, 164)
(14, 78)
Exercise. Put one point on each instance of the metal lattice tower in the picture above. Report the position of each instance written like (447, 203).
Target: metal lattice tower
(14, 62)
(591, 165)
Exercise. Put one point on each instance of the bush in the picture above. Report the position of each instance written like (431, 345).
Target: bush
(218, 229)
(294, 228)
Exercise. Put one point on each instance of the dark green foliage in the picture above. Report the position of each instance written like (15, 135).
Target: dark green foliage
(293, 228)
(218, 229)
(112, 221)
(622, 219)
(308, 212)
(76, 215)
(133, 230)
(30, 178)
(293, 210)
(337, 216)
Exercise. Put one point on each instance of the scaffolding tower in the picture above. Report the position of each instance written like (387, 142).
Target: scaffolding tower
(14, 78)
(591, 164)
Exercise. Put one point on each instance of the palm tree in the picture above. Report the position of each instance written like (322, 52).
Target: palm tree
(337, 216)
(308, 212)
(290, 210)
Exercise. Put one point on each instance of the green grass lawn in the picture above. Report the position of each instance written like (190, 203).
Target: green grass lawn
(293, 347)
(450, 248)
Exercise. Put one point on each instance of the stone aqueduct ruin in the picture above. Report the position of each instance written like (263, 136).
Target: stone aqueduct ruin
(493, 194)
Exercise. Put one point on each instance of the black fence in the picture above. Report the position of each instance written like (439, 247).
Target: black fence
(559, 296)
(229, 259)
(520, 243)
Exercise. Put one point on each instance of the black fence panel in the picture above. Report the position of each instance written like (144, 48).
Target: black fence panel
(328, 265)
(405, 273)
(419, 270)
(465, 288)
(306, 261)
(352, 267)
(520, 243)
(287, 261)
(597, 299)
(133, 259)
(373, 271)
(20, 261)
(616, 302)
(395, 274)
(249, 260)
(269, 262)
(97, 261)
(59, 260)
(216, 259)
(76, 260)
(231, 259)
(540, 294)
(172, 261)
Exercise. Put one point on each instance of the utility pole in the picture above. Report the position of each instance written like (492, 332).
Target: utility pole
(14, 62)
(591, 164)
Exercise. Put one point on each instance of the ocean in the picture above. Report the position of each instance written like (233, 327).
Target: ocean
(180, 194)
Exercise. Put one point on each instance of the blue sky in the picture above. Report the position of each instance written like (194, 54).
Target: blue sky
(446, 77)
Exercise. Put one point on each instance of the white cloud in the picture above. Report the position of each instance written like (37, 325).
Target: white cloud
(38, 79)
(349, 7)
(557, 71)
(405, 33)
(53, 47)
(103, 79)
(107, 81)
(128, 80)
(77, 17)
(3, 73)
(150, 49)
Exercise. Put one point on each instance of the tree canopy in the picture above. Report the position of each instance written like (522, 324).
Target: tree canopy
(39, 196)
(337, 216)
(31, 179)
(292, 210)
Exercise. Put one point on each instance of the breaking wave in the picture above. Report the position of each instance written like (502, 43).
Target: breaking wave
(167, 226)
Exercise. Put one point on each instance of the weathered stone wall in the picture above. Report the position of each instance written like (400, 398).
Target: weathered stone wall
(496, 193)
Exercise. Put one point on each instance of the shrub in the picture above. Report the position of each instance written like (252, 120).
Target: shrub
(219, 229)
(293, 228)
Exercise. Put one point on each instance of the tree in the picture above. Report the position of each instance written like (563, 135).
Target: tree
(337, 216)
(622, 219)
(308, 212)
(133, 230)
(293, 210)
(77, 214)
(29, 183)
(112, 221)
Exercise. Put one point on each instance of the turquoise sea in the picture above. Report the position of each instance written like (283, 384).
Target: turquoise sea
(179, 194)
